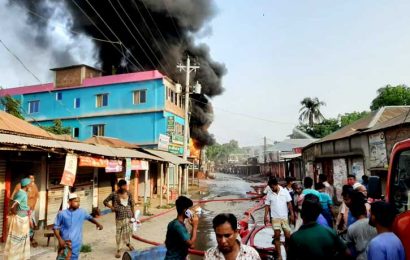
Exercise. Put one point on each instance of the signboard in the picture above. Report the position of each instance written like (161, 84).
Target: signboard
(163, 142)
(171, 124)
(114, 166)
(70, 170)
(179, 150)
(93, 162)
(297, 150)
(177, 139)
(137, 165)
(128, 169)
(378, 155)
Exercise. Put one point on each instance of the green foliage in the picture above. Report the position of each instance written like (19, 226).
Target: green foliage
(221, 152)
(12, 106)
(320, 130)
(348, 118)
(310, 111)
(391, 96)
(86, 248)
(57, 128)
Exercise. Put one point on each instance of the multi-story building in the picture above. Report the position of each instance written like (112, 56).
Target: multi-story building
(136, 107)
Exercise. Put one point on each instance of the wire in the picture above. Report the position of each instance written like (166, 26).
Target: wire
(65, 28)
(244, 115)
(19, 60)
(133, 36)
(91, 20)
(143, 38)
(153, 20)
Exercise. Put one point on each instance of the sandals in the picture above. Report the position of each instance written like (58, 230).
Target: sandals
(130, 247)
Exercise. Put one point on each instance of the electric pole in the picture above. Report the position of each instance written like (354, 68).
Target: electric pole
(264, 150)
(188, 68)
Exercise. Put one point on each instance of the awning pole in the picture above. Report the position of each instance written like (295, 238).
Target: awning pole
(145, 190)
(167, 170)
(161, 183)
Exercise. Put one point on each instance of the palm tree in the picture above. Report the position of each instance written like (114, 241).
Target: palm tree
(310, 110)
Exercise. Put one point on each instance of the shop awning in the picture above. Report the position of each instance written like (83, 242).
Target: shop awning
(76, 146)
(291, 156)
(168, 156)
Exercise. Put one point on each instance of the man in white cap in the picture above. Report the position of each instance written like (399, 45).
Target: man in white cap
(68, 227)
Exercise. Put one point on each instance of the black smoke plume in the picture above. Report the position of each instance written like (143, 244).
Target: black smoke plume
(146, 35)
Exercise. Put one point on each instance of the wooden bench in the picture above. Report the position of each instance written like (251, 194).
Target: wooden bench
(48, 234)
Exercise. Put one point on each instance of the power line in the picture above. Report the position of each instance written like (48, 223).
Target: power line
(115, 35)
(153, 20)
(133, 36)
(245, 115)
(65, 28)
(95, 25)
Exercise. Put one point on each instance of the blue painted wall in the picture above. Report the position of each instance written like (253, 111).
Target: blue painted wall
(141, 123)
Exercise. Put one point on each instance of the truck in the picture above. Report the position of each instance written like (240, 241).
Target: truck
(397, 190)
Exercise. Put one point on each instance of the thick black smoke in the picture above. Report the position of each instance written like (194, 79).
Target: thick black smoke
(154, 34)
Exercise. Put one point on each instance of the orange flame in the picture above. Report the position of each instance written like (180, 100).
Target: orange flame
(194, 151)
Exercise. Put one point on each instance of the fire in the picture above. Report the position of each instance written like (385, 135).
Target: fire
(193, 149)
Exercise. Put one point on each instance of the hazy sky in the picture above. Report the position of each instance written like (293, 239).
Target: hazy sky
(277, 53)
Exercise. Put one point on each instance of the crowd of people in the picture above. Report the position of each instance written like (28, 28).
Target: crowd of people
(306, 217)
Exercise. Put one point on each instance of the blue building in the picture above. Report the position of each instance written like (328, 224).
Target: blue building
(135, 107)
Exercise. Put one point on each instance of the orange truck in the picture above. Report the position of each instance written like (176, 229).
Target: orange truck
(397, 190)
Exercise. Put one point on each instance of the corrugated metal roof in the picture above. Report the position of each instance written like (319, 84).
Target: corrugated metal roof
(168, 157)
(374, 120)
(110, 141)
(404, 117)
(12, 124)
(81, 147)
(288, 144)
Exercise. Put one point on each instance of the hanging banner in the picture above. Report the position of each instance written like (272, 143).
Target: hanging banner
(138, 165)
(128, 169)
(70, 170)
(114, 166)
(378, 154)
(93, 162)
(170, 124)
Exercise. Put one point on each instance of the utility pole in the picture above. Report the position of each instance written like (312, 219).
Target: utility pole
(188, 68)
(264, 150)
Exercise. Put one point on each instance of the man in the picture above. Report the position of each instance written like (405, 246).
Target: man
(313, 241)
(18, 239)
(68, 226)
(278, 203)
(326, 202)
(328, 188)
(122, 203)
(33, 196)
(386, 245)
(229, 246)
(178, 240)
(308, 184)
(351, 179)
(360, 232)
(344, 218)
(365, 181)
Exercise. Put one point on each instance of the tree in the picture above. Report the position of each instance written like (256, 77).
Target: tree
(348, 118)
(57, 128)
(391, 96)
(12, 106)
(320, 130)
(310, 111)
(221, 152)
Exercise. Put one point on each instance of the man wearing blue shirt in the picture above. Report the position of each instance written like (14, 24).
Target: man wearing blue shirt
(386, 245)
(68, 226)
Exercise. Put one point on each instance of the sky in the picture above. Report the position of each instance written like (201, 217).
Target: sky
(276, 53)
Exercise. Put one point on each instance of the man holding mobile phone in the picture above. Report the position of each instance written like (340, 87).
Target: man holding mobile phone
(178, 240)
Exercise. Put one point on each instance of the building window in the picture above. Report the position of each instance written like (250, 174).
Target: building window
(98, 130)
(76, 132)
(102, 100)
(59, 96)
(140, 97)
(76, 102)
(33, 106)
(172, 96)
